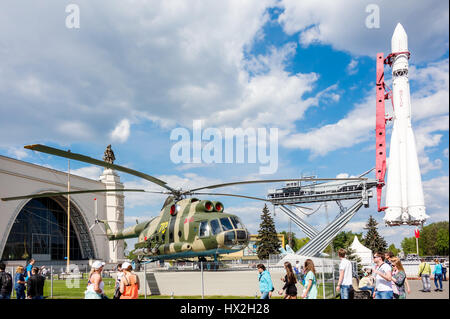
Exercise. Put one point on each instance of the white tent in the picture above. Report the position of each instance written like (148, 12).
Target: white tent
(362, 252)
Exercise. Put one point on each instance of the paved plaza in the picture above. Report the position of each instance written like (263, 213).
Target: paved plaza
(416, 286)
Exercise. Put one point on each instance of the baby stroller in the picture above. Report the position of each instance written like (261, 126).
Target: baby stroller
(357, 293)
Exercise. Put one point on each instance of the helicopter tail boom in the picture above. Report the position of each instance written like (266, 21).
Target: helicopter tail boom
(129, 232)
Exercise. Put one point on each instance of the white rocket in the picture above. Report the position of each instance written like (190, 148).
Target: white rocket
(404, 193)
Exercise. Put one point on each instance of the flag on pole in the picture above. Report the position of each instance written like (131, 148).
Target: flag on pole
(417, 233)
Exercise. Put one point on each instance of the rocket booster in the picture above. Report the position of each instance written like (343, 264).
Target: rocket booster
(404, 193)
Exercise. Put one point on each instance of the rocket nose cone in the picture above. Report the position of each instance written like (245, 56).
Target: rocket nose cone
(399, 42)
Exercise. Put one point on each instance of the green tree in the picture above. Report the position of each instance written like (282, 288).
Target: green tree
(428, 241)
(344, 239)
(409, 245)
(268, 243)
(353, 257)
(442, 242)
(296, 243)
(393, 249)
(434, 240)
(373, 240)
(302, 242)
(293, 239)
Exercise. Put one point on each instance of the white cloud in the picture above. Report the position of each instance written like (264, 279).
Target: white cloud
(437, 195)
(121, 132)
(352, 67)
(356, 127)
(343, 25)
(428, 134)
(355, 227)
(18, 152)
(430, 106)
(157, 61)
(167, 61)
(91, 172)
(186, 181)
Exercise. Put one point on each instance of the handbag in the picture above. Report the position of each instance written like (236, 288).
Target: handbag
(117, 293)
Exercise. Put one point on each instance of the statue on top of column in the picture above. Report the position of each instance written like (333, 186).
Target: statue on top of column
(109, 155)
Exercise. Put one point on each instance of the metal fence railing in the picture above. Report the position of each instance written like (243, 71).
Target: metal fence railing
(205, 276)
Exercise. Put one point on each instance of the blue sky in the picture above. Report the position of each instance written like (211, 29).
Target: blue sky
(132, 72)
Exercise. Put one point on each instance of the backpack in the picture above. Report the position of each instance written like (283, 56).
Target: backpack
(6, 282)
(130, 289)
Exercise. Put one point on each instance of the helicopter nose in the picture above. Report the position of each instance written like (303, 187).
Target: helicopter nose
(236, 237)
(242, 235)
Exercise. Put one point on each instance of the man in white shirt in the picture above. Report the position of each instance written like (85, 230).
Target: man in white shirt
(345, 275)
(383, 276)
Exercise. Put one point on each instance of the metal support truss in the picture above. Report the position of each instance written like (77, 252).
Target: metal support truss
(322, 239)
(306, 228)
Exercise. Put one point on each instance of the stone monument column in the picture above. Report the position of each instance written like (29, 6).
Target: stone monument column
(114, 212)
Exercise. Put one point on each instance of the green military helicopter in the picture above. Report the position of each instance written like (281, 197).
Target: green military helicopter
(186, 226)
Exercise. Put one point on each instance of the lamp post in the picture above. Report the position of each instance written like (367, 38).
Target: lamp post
(68, 218)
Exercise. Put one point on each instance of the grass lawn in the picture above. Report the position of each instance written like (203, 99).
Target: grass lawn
(74, 289)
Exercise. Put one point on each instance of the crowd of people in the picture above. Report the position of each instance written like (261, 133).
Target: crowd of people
(126, 286)
(28, 282)
(386, 280)
(305, 274)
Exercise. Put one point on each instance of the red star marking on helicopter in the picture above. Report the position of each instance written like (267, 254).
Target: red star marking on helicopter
(189, 220)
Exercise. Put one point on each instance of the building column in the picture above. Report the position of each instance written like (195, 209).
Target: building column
(114, 212)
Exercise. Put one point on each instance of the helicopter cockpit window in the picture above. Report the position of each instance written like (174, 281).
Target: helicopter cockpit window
(215, 226)
(204, 229)
(237, 223)
(226, 224)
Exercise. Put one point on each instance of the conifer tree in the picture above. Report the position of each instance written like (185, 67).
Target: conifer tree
(351, 255)
(268, 243)
(373, 240)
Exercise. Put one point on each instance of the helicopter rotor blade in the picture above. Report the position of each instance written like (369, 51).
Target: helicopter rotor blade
(90, 160)
(158, 192)
(244, 196)
(52, 194)
(274, 181)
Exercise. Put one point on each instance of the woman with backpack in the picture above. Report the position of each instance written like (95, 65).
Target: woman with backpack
(5, 282)
(129, 284)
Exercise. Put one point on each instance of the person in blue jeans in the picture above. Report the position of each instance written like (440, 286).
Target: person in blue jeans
(265, 282)
(367, 282)
(383, 278)
(19, 282)
(345, 275)
(444, 270)
(437, 272)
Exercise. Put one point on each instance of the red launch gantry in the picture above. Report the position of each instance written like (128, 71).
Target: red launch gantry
(380, 130)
